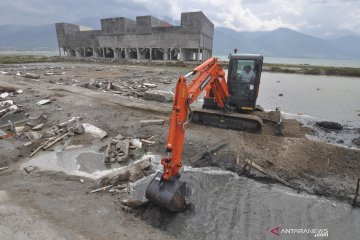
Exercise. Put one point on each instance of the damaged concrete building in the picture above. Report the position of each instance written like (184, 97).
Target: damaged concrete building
(146, 38)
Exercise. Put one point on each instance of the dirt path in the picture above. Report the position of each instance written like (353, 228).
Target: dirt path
(62, 202)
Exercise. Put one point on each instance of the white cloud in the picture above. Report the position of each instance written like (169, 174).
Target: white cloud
(317, 17)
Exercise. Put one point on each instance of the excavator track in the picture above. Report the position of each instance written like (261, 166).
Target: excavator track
(227, 120)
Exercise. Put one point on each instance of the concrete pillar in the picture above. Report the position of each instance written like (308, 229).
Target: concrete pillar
(95, 52)
(138, 53)
(166, 52)
(198, 55)
(103, 52)
(59, 51)
(150, 54)
(126, 53)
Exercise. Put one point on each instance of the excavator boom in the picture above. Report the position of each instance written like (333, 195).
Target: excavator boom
(165, 189)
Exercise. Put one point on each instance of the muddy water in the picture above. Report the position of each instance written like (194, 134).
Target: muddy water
(321, 97)
(225, 206)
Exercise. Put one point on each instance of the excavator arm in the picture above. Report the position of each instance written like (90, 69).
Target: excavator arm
(165, 189)
(208, 76)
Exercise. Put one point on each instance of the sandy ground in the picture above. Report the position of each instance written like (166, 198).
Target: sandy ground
(52, 205)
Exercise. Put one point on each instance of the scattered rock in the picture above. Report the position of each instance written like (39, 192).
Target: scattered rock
(281, 94)
(38, 127)
(159, 95)
(31, 75)
(150, 85)
(330, 125)
(94, 131)
(356, 141)
(33, 135)
(27, 144)
(133, 203)
(30, 169)
(136, 143)
(44, 101)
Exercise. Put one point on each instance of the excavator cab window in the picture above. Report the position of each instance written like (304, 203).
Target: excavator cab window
(243, 78)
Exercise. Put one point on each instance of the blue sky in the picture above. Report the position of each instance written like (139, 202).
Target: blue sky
(323, 18)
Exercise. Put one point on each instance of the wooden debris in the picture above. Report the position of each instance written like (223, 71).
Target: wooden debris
(55, 141)
(3, 168)
(267, 172)
(102, 188)
(152, 122)
(356, 193)
(207, 152)
(39, 148)
(108, 151)
(147, 141)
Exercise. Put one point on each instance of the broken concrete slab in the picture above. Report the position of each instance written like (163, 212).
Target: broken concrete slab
(159, 95)
(152, 122)
(132, 172)
(94, 131)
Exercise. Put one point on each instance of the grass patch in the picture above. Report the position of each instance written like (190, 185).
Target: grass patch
(13, 59)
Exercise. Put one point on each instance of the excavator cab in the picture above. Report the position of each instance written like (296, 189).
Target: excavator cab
(243, 82)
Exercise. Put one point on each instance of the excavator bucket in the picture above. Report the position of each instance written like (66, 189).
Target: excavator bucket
(168, 194)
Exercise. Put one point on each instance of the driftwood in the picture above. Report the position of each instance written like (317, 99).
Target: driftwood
(207, 152)
(55, 141)
(39, 148)
(3, 168)
(268, 172)
(356, 193)
(102, 188)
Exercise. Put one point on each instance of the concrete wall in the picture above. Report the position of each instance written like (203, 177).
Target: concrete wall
(145, 38)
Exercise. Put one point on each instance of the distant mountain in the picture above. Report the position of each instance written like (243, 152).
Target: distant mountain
(284, 42)
(281, 42)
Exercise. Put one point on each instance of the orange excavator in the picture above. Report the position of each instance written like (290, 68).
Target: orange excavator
(226, 103)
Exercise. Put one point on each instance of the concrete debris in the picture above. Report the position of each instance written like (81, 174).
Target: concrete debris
(132, 172)
(33, 135)
(330, 125)
(94, 131)
(27, 144)
(44, 101)
(152, 122)
(38, 127)
(136, 143)
(150, 85)
(117, 150)
(4, 73)
(4, 95)
(159, 95)
(31, 75)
